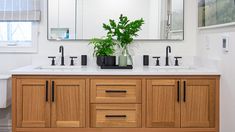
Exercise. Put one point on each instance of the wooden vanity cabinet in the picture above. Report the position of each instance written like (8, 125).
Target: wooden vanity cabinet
(50, 103)
(198, 103)
(33, 107)
(181, 103)
(115, 103)
(68, 103)
(163, 105)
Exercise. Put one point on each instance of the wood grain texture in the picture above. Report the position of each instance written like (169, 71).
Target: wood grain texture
(68, 109)
(32, 108)
(163, 110)
(198, 110)
(131, 111)
(70, 126)
(100, 86)
(117, 130)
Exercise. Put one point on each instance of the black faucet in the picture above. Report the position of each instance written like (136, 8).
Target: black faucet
(61, 50)
(168, 50)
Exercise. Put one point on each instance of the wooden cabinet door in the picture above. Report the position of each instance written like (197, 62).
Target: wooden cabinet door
(33, 104)
(163, 105)
(68, 103)
(198, 103)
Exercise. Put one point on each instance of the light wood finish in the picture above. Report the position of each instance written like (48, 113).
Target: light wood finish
(68, 109)
(116, 115)
(163, 109)
(32, 108)
(143, 102)
(124, 91)
(116, 130)
(198, 110)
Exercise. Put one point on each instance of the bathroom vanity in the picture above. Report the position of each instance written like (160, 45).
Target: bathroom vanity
(95, 100)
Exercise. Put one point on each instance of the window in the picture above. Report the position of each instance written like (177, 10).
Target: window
(216, 12)
(16, 32)
(18, 37)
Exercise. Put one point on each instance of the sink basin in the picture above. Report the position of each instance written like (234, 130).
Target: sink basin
(59, 67)
(172, 67)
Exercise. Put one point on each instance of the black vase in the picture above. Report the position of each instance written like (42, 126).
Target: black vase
(100, 60)
(106, 60)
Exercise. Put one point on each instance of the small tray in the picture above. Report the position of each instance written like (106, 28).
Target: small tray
(117, 67)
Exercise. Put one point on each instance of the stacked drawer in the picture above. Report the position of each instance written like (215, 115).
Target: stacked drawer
(115, 103)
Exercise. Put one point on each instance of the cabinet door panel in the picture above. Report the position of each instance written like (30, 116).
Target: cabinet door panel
(163, 109)
(33, 110)
(198, 108)
(68, 108)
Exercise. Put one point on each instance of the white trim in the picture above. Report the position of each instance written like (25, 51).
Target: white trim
(24, 49)
(217, 26)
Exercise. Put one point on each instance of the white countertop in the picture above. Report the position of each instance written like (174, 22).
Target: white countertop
(34, 70)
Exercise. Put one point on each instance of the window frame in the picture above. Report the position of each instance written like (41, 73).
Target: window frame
(22, 47)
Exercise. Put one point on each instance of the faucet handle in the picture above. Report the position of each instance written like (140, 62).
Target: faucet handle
(72, 60)
(53, 60)
(177, 61)
(157, 61)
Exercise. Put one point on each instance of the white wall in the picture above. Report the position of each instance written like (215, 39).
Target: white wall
(210, 46)
(46, 48)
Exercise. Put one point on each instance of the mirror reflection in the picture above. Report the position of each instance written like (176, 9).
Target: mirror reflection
(83, 19)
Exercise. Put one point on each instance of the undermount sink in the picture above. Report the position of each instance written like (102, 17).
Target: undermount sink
(59, 67)
(172, 67)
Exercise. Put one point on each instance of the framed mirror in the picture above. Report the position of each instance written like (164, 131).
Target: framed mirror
(83, 19)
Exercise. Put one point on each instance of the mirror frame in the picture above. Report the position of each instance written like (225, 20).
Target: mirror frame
(134, 39)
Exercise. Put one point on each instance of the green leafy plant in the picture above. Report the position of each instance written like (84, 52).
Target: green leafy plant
(124, 30)
(103, 46)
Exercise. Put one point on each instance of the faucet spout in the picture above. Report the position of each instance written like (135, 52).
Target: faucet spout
(168, 50)
(61, 50)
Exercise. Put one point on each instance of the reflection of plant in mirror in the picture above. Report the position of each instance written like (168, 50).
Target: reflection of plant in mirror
(103, 46)
(124, 30)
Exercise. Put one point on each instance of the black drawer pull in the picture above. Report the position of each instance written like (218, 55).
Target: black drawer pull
(53, 91)
(178, 91)
(184, 91)
(47, 91)
(115, 91)
(115, 116)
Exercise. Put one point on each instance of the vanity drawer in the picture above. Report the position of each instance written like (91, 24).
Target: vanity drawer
(115, 91)
(115, 115)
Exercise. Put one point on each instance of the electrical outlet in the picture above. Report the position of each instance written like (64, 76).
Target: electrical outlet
(225, 44)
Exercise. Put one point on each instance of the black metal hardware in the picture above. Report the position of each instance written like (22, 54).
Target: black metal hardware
(178, 91)
(115, 91)
(157, 61)
(184, 91)
(168, 50)
(61, 50)
(115, 116)
(72, 60)
(47, 91)
(53, 91)
(177, 61)
(53, 60)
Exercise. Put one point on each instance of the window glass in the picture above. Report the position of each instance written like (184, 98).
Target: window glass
(16, 31)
